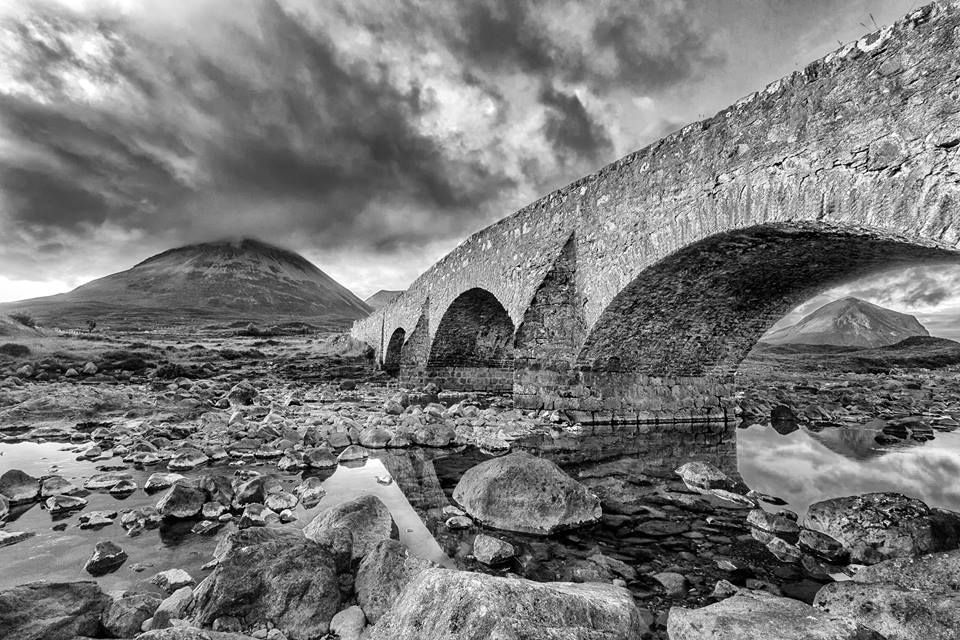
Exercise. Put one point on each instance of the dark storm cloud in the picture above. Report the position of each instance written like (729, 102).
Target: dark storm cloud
(570, 128)
(654, 48)
(373, 135)
(652, 44)
(284, 121)
(259, 121)
(504, 35)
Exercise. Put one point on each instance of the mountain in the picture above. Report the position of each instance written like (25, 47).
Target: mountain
(382, 298)
(849, 322)
(244, 280)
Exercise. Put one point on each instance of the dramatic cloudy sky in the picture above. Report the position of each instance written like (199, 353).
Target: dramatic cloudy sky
(371, 136)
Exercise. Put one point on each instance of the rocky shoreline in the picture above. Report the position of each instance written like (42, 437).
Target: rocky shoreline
(543, 528)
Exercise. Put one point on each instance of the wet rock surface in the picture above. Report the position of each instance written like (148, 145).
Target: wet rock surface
(524, 493)
(490, 607)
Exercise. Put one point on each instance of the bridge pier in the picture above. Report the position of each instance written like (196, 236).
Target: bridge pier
(605, 397)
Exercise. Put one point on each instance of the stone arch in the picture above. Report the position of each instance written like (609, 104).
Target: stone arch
(700, 310)
(675, 335)
(392, 355)
(474, 331)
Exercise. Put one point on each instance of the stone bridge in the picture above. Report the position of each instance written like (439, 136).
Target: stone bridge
(633, 294)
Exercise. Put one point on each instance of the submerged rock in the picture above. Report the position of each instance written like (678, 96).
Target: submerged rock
(521, 492)
(51, 610)
(366, 518)
(876, 526)
(756, 615)
(443, 604)
(287, 581)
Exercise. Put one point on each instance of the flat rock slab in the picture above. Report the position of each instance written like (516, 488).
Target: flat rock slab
(755, 615)
(894, 611)
(443, 604)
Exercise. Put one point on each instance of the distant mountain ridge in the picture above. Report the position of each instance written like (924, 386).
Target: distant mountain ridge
(382, 298)
(230, 280)
(849, 322)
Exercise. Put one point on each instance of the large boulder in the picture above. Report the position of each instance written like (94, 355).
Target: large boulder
(896, 612)
(874, 527)
(383, 574)
(521, 492)
(51, 610)
(443, 604)
(18, 487)
(293, 584)
(757, 615)
(366, 518)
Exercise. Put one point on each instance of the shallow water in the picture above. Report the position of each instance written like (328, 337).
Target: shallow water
(60, 555)
(806, 466)
(800, 467)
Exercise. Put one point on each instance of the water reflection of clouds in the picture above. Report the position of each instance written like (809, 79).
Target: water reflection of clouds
(802, 471)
